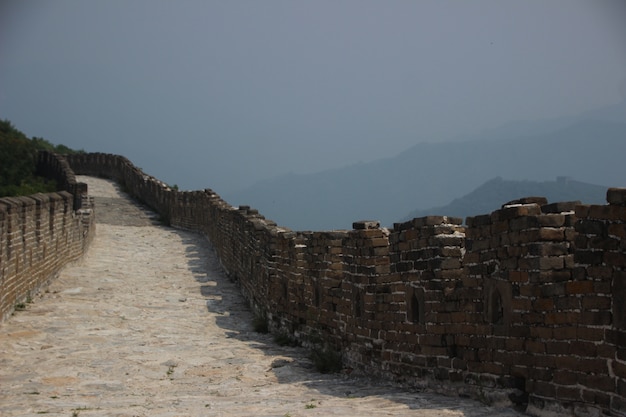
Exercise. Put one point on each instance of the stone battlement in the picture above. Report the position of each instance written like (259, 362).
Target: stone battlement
(41, 233)
(525, 304)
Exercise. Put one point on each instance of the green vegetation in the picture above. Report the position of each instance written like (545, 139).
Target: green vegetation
(326, 361)
(170, 370)
(259, 324)
(18, 159)
(283, 339)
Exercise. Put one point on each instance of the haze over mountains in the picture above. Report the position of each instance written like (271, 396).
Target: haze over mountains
(496, 192)
(589, 149)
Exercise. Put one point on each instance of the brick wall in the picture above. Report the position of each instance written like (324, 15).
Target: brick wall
(522, 305)
(54, 166)
(41, 233)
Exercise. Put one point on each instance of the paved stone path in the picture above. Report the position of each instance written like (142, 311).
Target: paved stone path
(148, 325)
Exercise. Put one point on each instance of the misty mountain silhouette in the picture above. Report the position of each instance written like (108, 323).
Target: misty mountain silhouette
(589, 148)
(494, 193)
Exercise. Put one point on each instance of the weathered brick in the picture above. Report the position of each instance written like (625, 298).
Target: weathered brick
(596, 399)
(554, 276)
(551, 233)
(549, 290)
(565, 333)
(616, 196)
(619, 369)
(604, 383)
(591, 227)
(592, 334)
(366, 224)
(567, 377)
(581, 348)
(598, 318)
(617, 230)
(568, 393)
(517, 276)
(589, 257)
(548, 249)
(582, 211)
(535, 347)
(579, 287)
(525, 222)
(541, 332)
(540, 201)
(543, 304)
(617, 259)
(551, 220)
(596, 302)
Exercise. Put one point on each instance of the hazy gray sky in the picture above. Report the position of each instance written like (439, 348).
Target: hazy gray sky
(222, 93)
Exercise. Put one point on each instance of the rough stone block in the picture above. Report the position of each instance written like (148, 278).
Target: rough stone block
(551, 220)
(616, 196)
(477, 221)
(541, 201)
(567, 377)
(618, 230)
(588, 257)
(612, 212)
(616, 259)
(551, 234)
(524, 222)
(579, 287)
(366, 224)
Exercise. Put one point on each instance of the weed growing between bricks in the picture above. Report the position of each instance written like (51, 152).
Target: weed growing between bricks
(326, 360)
(259, 324)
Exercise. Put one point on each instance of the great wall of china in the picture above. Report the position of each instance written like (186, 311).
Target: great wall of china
(41, 233)
(526, 303)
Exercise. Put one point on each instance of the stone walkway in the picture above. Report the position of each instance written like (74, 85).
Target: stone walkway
(148, 325)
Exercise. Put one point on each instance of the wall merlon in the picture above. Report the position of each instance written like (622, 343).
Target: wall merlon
(616, 196)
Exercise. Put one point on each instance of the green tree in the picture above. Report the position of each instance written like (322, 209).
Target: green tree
(18, 162)
(43, 144)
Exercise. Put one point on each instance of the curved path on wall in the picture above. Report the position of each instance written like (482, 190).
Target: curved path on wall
(148, 325)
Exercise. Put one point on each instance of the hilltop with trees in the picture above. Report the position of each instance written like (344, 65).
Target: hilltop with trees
(18, 162)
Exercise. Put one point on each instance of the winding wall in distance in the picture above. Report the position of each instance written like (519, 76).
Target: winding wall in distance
(525, 303)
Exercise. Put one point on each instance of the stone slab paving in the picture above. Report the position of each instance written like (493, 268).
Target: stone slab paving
(147, 324)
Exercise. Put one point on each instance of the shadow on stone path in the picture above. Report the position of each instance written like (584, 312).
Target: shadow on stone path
(148, 325)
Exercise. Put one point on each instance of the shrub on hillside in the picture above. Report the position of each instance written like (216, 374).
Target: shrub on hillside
(18, 162)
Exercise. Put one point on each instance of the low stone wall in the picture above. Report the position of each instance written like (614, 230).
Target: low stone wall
(523, 305)
(54, 166)
(41, 233)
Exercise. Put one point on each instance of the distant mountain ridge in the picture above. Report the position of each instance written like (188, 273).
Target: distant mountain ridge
(590, 148)
(494, 193)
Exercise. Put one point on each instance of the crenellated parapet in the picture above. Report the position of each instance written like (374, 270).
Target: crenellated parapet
(54, 166)
(41, 233)
(523, 305)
